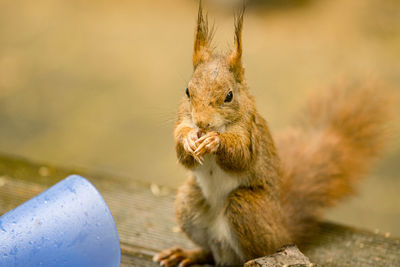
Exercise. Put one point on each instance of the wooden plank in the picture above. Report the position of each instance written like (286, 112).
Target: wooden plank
(337, 245)
(128, 260)
(146, 222)
(136, 257)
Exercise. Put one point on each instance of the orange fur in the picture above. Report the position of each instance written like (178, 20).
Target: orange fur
(241, 201)
(204, 35)
(329, 149)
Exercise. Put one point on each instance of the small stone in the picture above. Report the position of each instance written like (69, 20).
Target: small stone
(387, 234)
(176, 229)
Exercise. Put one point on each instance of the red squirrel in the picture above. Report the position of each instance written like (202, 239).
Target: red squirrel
(247, 195)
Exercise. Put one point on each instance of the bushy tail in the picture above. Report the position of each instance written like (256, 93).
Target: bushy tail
(328, 150)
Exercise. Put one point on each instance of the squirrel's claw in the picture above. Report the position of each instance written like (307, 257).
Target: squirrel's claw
(190, 146)
(182, 258)
(204, 137)
(209, 144)
(213, 145)
(159, 257)
(198, 159)
(187, 147)
(200, 149)
(171, 257)
(192, 137)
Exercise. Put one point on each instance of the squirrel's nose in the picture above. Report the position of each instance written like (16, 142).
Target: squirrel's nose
(202, 124)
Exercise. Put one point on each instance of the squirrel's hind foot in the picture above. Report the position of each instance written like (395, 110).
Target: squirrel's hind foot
(177, 256)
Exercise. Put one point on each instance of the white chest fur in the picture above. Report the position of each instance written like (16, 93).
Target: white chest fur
(216, 184)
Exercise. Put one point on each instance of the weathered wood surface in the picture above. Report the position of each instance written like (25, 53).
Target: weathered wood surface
(145, 220)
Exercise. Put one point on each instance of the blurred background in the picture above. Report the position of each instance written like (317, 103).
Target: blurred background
(95, 84)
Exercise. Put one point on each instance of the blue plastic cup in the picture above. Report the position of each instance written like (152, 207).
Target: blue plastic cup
(67, 225)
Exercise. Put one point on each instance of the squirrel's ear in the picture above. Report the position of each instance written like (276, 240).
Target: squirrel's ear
(202, 41)
(235, 57)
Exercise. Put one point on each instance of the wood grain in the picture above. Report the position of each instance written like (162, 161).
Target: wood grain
(146, 224)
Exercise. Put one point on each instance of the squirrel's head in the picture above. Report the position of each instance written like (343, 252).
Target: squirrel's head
(216, 92)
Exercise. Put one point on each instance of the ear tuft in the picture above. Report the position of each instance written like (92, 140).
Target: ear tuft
(202, 42)
(235, 57)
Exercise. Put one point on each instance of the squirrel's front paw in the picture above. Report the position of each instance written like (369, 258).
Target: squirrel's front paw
(208, 143)
(190, 146)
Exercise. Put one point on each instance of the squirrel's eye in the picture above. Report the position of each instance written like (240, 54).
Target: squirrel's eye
(229, 97)
(187, 92)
